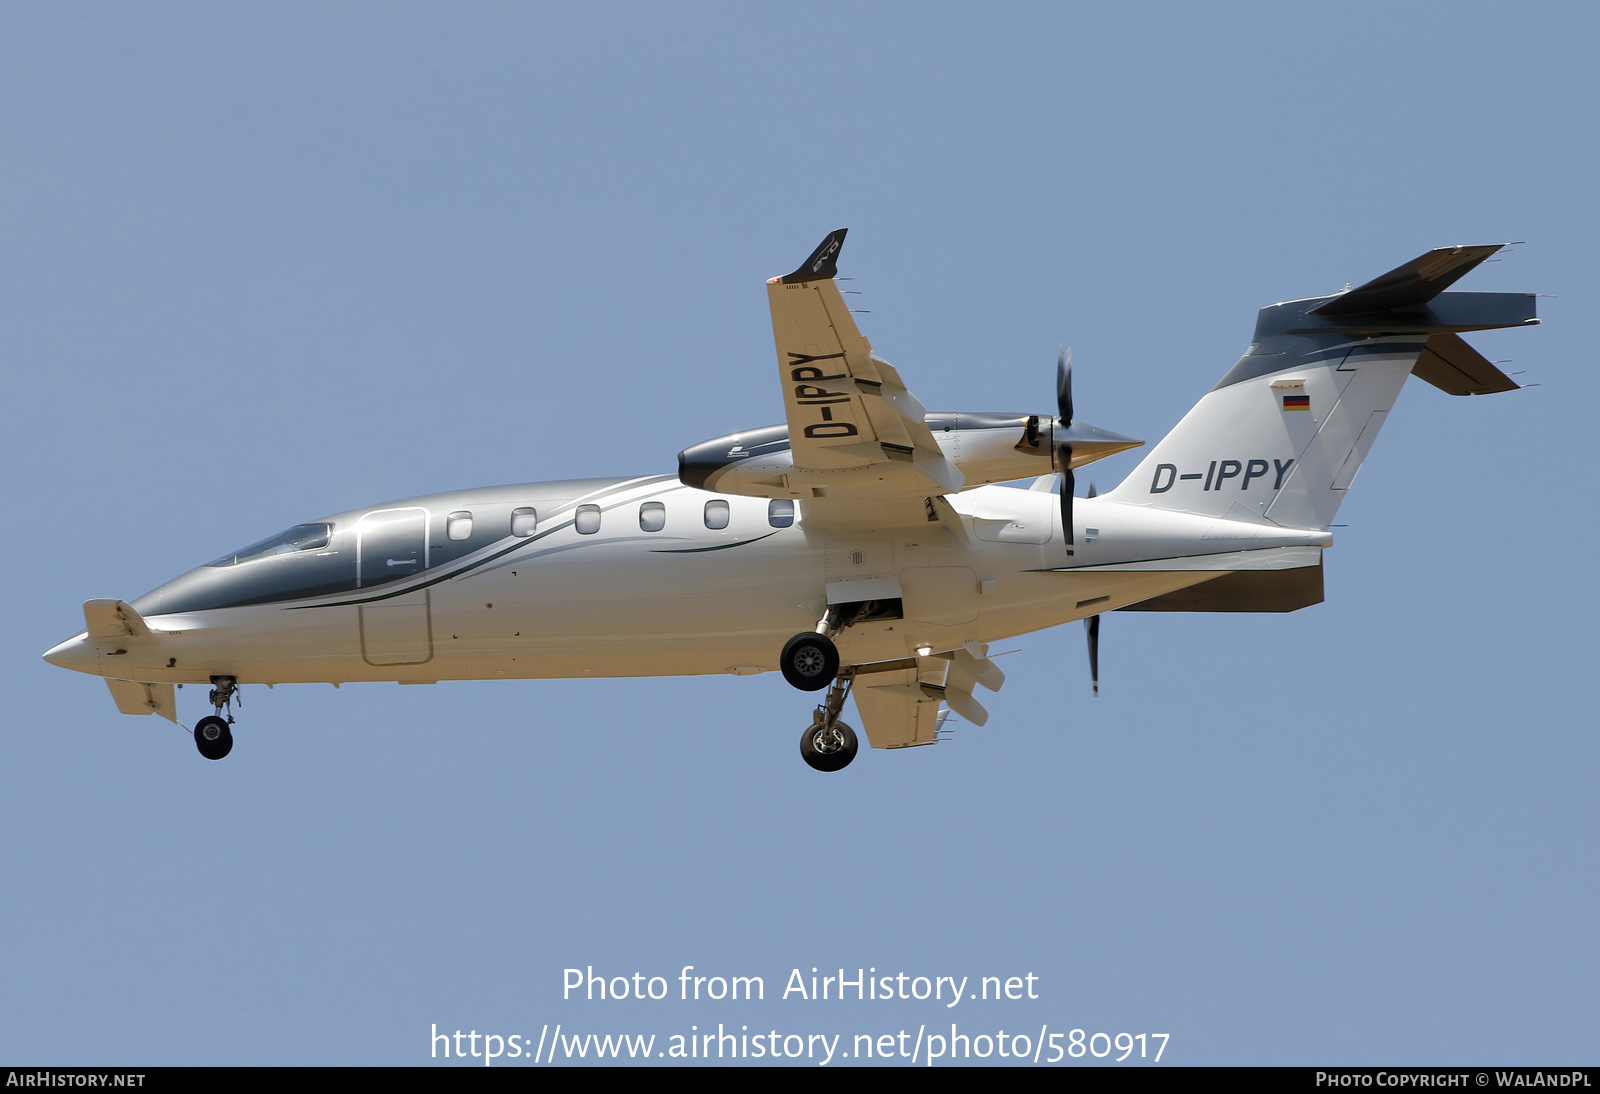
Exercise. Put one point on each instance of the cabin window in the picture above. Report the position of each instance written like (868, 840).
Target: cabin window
(458, 526)
(716, 514)
(524, 521)
(587, 520)
(780, 513)
(652, 516)
(302, 537)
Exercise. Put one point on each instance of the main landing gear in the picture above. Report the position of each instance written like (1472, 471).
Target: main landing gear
(828, 744)
(211, 734)
(810, 662)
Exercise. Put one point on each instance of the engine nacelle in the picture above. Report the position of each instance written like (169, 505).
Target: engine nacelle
(986, 447)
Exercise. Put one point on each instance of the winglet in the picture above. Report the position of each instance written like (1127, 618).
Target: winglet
(1416, 282)
(823, 264)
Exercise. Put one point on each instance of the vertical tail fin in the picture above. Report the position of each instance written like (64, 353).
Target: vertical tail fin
(1279, 440)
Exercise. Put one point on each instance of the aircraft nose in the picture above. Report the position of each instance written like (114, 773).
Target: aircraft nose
(78, 654)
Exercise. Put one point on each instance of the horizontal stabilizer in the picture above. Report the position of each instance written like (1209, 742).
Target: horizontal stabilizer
(1416, 282)
(1454, 367)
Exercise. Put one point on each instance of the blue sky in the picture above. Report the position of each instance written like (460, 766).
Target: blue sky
(265, 262)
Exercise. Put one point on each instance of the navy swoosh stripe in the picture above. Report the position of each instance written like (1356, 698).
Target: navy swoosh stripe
(442, 577)
(519, 545)
(718, 547)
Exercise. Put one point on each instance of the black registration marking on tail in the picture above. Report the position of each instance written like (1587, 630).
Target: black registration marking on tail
(1220, 471)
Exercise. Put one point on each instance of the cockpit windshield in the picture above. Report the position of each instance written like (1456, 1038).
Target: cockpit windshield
(302, 537)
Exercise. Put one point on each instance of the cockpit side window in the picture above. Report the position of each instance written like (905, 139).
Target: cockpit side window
(302, 537)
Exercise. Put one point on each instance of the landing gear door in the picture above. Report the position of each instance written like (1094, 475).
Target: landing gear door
(393, 543)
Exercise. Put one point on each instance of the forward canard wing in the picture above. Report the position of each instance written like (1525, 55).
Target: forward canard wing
(115, 621)
(859, 440)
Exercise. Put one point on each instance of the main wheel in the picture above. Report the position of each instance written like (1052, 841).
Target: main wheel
(810, 661)
(213, 737)
(828, 749)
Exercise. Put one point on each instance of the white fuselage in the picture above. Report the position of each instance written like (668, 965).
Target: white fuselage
(681, 600)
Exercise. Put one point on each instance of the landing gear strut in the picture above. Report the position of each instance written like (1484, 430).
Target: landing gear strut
(211, 734)
(828, 744)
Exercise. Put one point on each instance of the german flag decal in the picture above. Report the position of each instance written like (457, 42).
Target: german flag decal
(1297, 402)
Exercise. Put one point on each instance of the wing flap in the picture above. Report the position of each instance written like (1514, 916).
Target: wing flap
(900, 708)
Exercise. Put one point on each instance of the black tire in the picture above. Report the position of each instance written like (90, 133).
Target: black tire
(827, 751)
(810, 661)
(213, 737)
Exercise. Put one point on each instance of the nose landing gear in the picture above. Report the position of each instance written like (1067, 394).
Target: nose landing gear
(211, 734)
(213, 737)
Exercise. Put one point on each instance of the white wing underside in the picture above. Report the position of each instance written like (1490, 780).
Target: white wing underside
(900, 708)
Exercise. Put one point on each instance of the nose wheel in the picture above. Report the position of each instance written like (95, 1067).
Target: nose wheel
(213, 737)
(212, 734)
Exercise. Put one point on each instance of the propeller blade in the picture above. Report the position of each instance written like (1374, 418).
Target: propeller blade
(1092, 626)
(1064, 387)
(1063, 452)
(1068, 485)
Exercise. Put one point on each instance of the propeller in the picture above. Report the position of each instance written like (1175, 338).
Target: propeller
(1091, 627)
(1066, 434)
(1063, 450)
